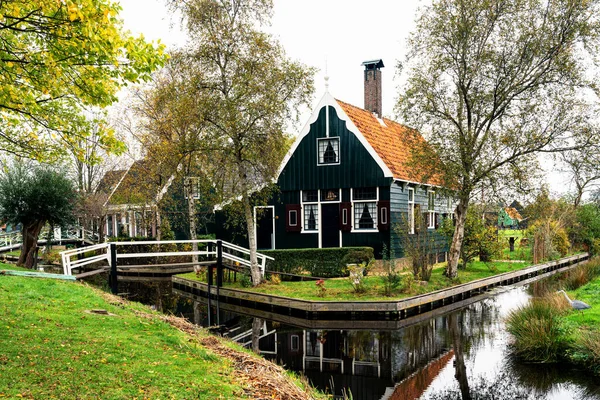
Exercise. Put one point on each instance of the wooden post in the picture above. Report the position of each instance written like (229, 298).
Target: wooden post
(114, 286)
(219, 274)
(209, 281)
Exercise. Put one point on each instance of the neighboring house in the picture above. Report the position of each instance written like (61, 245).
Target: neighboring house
(130, 199)
(509, 218)
(346, 182)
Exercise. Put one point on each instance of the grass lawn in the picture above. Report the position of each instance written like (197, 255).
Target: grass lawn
(340, 289)
(590, 294)
(53, 348)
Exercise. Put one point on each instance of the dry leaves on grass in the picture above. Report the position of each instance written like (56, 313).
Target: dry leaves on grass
(265, 380)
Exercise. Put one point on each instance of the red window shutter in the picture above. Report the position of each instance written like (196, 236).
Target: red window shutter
(383, 212)
(293, 218)
(345, 217)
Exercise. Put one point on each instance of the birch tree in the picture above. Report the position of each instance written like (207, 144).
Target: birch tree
(493, 83)
(250, 92)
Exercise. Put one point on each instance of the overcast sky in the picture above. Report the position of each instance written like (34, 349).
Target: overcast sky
(339, 34)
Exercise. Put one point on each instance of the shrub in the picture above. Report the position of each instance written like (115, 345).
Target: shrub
(540, 334)
(245, 280)
(321, 290)
(324, 263)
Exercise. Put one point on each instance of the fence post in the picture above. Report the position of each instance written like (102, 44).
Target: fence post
(219, 275)
(219, 263)
(114, 286)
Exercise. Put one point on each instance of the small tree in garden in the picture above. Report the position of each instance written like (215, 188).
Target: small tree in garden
(33, 197)
(391, 278)
(419, 247)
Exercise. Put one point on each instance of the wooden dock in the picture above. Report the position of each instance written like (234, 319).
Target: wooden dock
(393, 310)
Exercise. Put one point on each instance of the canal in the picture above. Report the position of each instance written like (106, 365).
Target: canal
(463, 354)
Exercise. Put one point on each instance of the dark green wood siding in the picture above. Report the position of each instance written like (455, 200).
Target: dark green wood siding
(357, 167)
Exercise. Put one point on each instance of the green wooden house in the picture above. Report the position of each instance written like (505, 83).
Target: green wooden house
(509, 218)
(345, 181)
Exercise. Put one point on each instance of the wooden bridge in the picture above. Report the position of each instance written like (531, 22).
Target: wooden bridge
(74, 234)
(132, 261)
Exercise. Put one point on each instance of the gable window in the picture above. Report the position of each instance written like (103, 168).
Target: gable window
(329, 150)
(411, 211)
(430, 210)
(365, 208)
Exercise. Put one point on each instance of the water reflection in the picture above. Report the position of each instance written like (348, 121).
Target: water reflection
(460, 355)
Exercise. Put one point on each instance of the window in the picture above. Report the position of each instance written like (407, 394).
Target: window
(330, 195)
(329, 150)
(295, 343)
(293, 217)
(345, 216)
(411, 211)
(310, 196)
(365, 212)
(311, 217)
(430, 210)
(109, 226)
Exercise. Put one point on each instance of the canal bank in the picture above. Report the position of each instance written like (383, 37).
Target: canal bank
(393, 310)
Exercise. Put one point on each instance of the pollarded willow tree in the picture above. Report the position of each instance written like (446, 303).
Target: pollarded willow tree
(250, 92)
(493, 83)
(59, 58)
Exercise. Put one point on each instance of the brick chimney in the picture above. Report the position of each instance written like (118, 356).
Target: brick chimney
(373, 86)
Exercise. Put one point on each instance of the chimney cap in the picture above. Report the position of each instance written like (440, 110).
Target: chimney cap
(372, 64)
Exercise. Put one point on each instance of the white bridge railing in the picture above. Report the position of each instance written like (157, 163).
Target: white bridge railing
(102, 253)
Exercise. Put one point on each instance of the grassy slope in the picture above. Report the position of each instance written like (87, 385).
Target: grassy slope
(53, 348)
(590, 294)
(339, 289)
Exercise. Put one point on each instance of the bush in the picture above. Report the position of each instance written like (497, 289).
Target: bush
(323, 263)
(540, 334)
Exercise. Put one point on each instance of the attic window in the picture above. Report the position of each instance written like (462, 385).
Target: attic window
(329, 150)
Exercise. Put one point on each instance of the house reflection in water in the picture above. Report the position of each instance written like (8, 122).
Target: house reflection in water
(370, 364)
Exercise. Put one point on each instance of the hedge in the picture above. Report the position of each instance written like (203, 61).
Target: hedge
(324, 263)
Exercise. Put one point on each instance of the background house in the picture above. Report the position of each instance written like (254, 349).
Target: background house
(509, 218)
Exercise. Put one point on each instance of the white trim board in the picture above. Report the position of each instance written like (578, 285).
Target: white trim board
(328, 100)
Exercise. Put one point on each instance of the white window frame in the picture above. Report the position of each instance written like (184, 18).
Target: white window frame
(358, 203)
(321, 164)
(411, 211)
(430, 209)
(318, 222)
(297, 346)
(290, 217)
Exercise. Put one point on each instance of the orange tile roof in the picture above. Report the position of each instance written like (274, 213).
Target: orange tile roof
(513, 213)
(392, 142)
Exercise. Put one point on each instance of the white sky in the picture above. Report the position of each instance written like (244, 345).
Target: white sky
(338, 33)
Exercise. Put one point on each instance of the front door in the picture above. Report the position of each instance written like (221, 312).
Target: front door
(330, 225)
(264, 228)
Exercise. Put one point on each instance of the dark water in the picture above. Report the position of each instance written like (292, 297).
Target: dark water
(464, 354)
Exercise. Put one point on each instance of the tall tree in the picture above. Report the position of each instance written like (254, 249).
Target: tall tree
(250, 92)
(58, 58)
(33, 197)
(492, 83)
(583, 167)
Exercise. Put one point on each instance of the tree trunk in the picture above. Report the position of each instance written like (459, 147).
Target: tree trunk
(192, 222)
(158, 225)
(254, 269)
(30, 238)
(256, 327)
(460, 371)
(457, 239)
